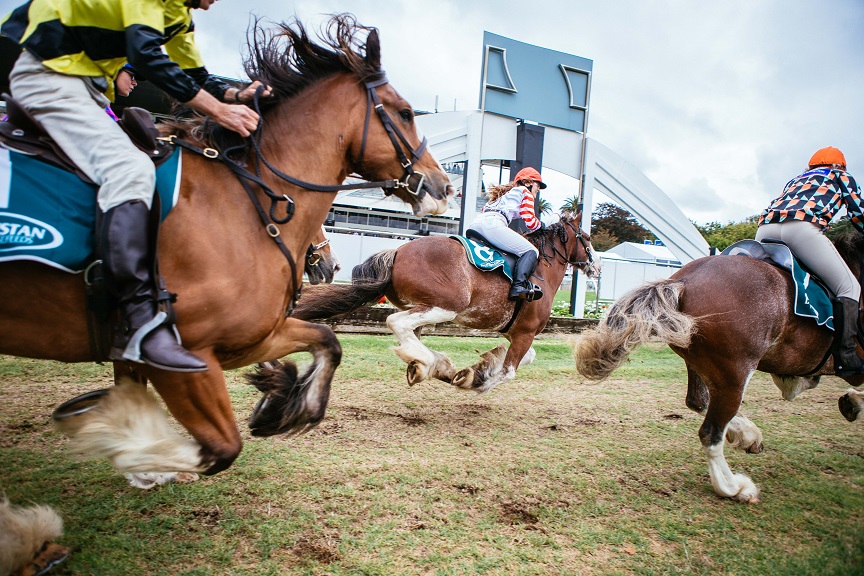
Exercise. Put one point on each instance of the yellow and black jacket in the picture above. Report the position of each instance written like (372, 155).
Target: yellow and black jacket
(98, 37)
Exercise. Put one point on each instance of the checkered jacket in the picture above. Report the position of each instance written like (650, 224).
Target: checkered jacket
(817, 196)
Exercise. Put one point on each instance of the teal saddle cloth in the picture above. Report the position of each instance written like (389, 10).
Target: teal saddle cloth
(811, 298)
(485, 257)
(48, 215)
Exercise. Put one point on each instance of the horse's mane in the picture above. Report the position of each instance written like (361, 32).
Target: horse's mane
(547, 237)
(850, 245)
(287, 59)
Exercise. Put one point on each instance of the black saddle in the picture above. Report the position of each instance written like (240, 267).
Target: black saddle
(23, 133)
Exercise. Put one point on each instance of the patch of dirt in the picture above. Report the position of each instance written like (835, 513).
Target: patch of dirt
(519, 513)
(320, 548)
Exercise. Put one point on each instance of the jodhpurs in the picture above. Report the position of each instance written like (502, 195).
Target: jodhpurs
(72, 110)
(816, 252)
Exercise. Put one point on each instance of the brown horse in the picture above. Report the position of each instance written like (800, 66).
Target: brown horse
(233, 261)
(431, 280)
(321, 263)
(726, 316)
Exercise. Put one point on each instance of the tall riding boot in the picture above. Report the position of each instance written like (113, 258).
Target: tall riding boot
(522, 286)
(846, 359)
(146, 334)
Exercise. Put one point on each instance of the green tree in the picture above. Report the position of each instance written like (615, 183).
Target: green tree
(570, 205)
(544, 206)
(611, 223)
(721, 236)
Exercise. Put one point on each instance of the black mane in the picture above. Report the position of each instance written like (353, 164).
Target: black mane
(287, 59)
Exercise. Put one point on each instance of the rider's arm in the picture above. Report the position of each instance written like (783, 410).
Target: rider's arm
(852, 197)
(526, 211)
(183, 50)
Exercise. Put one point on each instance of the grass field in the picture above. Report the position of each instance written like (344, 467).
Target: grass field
(544, 475)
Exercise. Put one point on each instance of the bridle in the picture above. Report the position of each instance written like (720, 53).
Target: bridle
(412, 180)
(312, 256)
(581, 239)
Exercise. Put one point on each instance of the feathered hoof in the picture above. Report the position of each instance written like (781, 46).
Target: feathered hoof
(756, 448)
(64, 415)
(464, 379)
(49, 556)
(849, 409)
(416, 372)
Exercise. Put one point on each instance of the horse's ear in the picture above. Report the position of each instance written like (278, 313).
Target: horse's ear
(373, 49)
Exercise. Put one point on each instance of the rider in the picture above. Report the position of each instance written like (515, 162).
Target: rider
(65, 79)
(506, 202)
(799, 217)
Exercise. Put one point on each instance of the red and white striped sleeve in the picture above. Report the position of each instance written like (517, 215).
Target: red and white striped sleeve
(526, 211)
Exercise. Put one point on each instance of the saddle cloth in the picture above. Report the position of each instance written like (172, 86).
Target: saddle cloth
(486, 258)
(48, 214)
(811, 298)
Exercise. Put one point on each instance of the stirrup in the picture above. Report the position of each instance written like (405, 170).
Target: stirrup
(536, 293)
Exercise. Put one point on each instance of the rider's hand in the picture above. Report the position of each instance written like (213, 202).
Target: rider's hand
(248, 93)
(236, 117)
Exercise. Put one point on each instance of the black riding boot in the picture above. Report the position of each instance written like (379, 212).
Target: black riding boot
(145, 334)
(846, 359)
(522, 286)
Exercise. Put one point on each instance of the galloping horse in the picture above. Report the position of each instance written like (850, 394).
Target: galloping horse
(321, 263)
(726, 316)
(431, 280)
(233, 261)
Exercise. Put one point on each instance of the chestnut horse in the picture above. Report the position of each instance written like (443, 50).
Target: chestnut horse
(321, 263)
(431, 281)
(726, 316)
(232, 261)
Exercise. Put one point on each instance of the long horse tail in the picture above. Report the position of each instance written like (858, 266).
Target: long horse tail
(369, 281)
(648, 313)
(23, 532)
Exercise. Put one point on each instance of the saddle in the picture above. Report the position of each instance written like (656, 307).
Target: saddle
(812, 296)
(23, 133)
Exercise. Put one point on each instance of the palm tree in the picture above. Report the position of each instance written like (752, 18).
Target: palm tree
(544, 206)
(571, 205)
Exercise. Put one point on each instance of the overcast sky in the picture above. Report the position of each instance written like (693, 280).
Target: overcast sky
(719, 103)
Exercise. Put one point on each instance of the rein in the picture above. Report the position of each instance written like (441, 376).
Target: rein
(412, 180)
(580, 238)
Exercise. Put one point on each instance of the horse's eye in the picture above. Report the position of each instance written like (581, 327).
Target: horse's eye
(407, 114)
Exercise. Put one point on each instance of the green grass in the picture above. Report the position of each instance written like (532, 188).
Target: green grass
(544, 475)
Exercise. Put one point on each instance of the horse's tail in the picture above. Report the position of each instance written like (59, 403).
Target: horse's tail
(648, 313)
(369, 281)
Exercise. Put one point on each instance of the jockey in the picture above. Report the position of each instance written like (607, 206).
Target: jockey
(65, 79)
(799, 217)
(506, 202)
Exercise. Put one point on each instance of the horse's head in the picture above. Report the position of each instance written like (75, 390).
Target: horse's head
(321, 263)
(577, 244)
(372, 125)
(391, 148)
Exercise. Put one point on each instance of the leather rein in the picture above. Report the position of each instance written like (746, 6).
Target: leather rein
(579, 237)
(412, 180)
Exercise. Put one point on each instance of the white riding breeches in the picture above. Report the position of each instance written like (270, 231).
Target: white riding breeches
(816, 252)
(72, 110)
(493, 227)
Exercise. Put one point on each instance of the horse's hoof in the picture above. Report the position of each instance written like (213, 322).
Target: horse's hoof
(848, 409)
(49, 556)
(78, 405)
(756, 448)
(464, 378)
(415, 373)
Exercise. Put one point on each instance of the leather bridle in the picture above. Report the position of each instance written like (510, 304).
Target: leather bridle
(412, 180)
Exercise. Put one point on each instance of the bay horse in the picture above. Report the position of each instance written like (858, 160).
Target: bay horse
(727, 317)
(431, 281)
(321, 263)
(233, 261)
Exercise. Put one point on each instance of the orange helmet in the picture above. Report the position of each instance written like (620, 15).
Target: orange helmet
(529, 173)
(829, 156)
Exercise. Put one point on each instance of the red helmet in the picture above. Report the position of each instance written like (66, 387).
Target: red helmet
(829, 156)
(529, 173)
